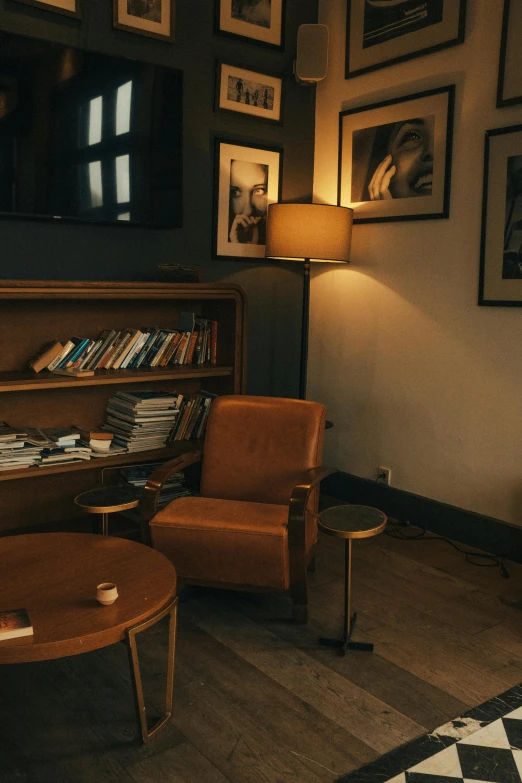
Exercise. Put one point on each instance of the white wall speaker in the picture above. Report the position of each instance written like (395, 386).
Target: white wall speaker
(311, 64)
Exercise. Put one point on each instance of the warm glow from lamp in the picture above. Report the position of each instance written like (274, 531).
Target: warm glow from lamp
(321, 232)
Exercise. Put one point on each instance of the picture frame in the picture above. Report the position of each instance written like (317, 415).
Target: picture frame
(153, 18)
(509, 87)
(256, 21)
(500, 277)
(247, 178)
(252, 93)
(395, 157)
(384, 32)
(65, 7)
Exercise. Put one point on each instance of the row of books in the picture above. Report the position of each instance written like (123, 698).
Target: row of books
(138, 475)
(144, 420)
(194, 342)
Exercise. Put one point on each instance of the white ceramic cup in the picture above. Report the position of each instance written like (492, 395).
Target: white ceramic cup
(106, 593)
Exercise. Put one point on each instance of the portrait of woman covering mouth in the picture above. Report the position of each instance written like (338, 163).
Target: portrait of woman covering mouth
(398, 159)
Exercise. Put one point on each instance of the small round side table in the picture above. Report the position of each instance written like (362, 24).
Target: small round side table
(108, 500)
(350, 522)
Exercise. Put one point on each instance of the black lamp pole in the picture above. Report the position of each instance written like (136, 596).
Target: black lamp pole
(304, 330)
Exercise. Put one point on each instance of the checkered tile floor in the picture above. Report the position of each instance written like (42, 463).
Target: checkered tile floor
(492, 754)
(483, 746)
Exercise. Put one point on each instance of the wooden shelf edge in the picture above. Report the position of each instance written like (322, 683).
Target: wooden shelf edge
(14, 382)
(156, 455)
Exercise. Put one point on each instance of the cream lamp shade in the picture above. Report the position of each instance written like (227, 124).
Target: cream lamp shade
(321, 232)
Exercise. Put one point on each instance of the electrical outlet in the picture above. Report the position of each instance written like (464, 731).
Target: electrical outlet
(384, 476)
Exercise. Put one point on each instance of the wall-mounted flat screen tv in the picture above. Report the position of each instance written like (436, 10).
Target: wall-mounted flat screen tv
(88, 137)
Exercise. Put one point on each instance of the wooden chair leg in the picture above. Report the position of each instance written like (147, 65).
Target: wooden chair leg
(300, 600)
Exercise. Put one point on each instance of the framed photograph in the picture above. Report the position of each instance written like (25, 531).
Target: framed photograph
(500, 281)
(509, 88)
(248, 92)
(258, 21)
(395, 157)
(154, 18)
(247, 180)
(383, 32)
(67, 7)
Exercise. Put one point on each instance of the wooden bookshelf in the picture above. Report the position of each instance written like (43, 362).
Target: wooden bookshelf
(33, 313)
(24, 381)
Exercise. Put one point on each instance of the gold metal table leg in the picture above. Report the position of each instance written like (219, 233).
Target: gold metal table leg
(105, 524)
(149, 733)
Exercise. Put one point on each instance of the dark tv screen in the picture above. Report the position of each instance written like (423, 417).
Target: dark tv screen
(88, 137)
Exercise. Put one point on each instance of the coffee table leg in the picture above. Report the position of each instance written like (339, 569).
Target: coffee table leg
(105, 524)
(149, 733)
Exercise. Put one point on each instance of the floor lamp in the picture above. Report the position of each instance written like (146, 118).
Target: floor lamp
(308, 232)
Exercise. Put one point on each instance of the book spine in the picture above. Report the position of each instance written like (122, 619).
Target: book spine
(213, 342)
(69, 345)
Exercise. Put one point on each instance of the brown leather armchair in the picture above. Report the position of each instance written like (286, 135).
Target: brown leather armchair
(254, 525)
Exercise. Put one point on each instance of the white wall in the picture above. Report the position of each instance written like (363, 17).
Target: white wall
(415, 375)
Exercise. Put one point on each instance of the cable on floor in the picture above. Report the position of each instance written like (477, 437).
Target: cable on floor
(473, 558)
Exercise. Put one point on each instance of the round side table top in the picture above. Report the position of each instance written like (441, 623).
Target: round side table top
(105, 500)
(348, 521)
(53, 576)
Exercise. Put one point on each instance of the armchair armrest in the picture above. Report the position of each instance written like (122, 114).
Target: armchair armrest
(302, 489)
(298, 501)
(156, 481)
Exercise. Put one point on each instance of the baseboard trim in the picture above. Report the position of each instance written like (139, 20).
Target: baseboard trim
(467, 527)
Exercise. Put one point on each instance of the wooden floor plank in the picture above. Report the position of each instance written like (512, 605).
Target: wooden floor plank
(44, 740)
(351, 707)
(182, 764)
(434, 634)
(319, 742)
(424, 703)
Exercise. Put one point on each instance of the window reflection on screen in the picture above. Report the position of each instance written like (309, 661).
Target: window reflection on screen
(123, 108)
(123, 179)
(95, 183)
(95, 120)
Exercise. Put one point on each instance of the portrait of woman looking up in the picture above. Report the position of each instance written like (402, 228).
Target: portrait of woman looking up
(401, 161)
(248, 202)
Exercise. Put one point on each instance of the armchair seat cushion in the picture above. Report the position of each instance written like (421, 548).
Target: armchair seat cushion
(227, 541)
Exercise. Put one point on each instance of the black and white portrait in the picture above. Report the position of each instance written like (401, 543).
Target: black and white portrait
(395, 157)
(388, 19)
(252, 11)
(145, 9)
(250, 93)
(248, 202)
(393, 161)
(512, 261)
(248, 179)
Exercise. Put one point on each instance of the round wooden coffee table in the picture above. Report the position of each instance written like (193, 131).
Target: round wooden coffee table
(53, 576)
(349, 522)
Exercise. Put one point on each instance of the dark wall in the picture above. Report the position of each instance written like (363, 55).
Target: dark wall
(40, 250)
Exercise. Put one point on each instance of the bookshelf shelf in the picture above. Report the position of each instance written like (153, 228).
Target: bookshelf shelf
(156, 455)
(24, 381)
(33, 313)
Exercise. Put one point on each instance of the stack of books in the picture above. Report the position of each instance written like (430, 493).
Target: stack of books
(65, 448)
(138, 475)
(15, 450)
(100, 442)
(142, 420)
(194, 342)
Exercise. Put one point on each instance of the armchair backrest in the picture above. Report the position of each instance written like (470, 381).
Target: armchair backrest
(256, 448)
